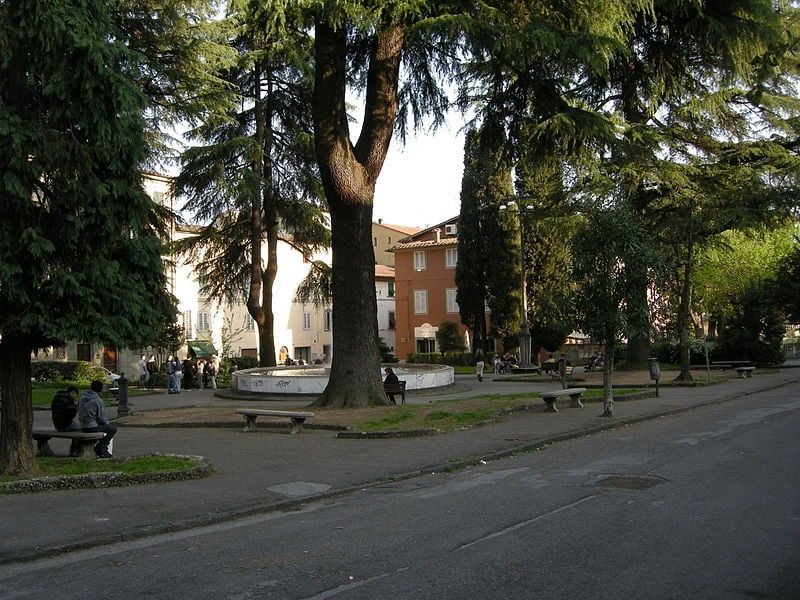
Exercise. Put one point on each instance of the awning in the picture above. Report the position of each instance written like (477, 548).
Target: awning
(199, 349)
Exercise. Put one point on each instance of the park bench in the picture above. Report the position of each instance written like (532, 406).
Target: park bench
(556, 374)
(43, 436)
(396, 388)
(573, 393)
(730, 364)
(745, 371)
(251, 414)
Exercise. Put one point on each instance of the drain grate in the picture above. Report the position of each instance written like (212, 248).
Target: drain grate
(632, 482)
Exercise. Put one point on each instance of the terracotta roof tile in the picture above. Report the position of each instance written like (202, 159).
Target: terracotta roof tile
(445, 241)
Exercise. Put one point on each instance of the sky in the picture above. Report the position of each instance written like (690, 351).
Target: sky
(420, 183)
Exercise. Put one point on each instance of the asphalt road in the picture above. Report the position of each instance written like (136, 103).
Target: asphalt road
(701, 505)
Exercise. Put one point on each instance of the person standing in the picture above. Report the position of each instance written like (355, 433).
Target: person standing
(211, 369)
(200, 372)
(142, 369)
(92, 415)
(169, 371)
(479, 363)
(188, 374)
(63, 410)
(178, 373)
(152, 371)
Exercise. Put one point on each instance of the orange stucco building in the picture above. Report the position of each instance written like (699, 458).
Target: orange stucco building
(425, 283)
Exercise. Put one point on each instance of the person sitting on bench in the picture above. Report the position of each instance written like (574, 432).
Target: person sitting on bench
(391, 378)
(63, 410)
(92, 414)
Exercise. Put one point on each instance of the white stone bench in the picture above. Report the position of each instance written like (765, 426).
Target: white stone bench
(43, 435)
(251, 414)
(745, 371)
(573, 393)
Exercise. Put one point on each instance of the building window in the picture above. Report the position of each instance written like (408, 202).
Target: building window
(302, 353)
(306, 321)
(188, 329)
(421, 302)
(375, 242)
(249, 323)
(450, 297)
(202, 321)
(327, 320)
(420, 260)
(84, 352)
(392, 320)
(391, 289)
(451, 258)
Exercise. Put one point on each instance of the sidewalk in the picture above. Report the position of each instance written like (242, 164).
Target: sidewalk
(264, 471)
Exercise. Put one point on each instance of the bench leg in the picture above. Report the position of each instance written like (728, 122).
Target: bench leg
(250, 424)
(749, 373)
(576, 401)
(297, 425)
(403, 398)
(43, 447)
(742, 375)
(551, 405)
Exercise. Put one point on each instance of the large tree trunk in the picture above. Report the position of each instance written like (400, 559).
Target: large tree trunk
(348, 175)
(17, 456)
(683, 319)
(266, 332)
(355, 377)
(638, 352)
(608, 380)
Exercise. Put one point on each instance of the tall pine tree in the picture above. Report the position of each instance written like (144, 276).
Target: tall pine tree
(80, 245)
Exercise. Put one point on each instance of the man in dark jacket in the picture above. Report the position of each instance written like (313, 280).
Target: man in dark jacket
(63, 409)
(391, 377)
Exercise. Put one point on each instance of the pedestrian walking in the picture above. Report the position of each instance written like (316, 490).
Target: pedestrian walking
(479, 363)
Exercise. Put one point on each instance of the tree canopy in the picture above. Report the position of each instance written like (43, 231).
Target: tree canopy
(80, 241)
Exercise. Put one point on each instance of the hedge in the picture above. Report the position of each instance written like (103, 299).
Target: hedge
(77, 371)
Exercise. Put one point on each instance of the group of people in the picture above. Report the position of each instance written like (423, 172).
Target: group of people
(202, 373)
(499, 364)
(91, 414)
(595, 362)
(503, 364)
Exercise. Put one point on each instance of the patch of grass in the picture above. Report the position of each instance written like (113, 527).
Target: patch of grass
(438, 415)
(449, 415)
(54, 467)
(42, 393)
(391, 421)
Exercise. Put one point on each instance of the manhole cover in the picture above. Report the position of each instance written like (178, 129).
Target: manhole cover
(630, 483)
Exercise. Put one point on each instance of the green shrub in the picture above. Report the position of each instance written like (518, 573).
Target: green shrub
(77, 371)
(669, 352)
(233, 363)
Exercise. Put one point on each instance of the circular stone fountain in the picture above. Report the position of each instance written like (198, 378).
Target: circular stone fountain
(312, 379)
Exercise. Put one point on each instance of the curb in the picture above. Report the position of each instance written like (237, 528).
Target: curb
(446, 467)
(106, 479)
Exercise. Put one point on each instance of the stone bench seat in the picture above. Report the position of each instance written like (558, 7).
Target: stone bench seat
(43, 435)
(745, 371)
(251, 414)
(573, 393)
